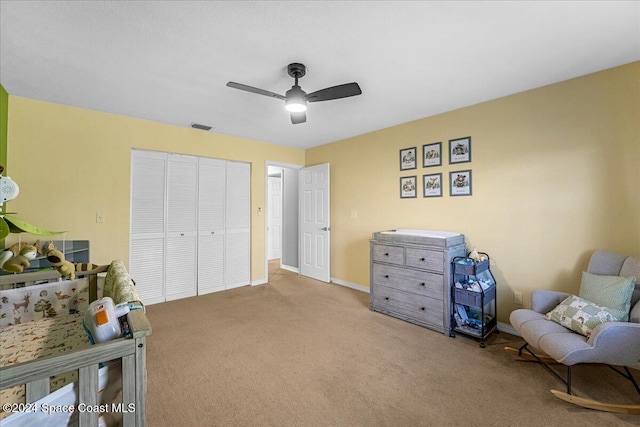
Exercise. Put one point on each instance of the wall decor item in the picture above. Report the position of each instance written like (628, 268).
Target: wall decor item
(460, 150)
(432, 155)
(408, 187)
(432, 185)
(460, 183)
(408, 158)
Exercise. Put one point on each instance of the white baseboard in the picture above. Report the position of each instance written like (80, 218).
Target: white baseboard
(259, 282)
(505, 327)
(289, 268)
(350, 285)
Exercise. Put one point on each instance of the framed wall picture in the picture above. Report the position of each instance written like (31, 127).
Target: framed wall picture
(460, 183)
(408, 158)
(408, 187)
(432, 155)
(432, 185)
(460, 150)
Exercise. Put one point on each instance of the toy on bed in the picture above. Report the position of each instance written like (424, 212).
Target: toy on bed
(57, 260)
(15, 250)
(21, 261)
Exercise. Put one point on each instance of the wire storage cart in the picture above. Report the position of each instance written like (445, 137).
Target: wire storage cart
(473, 298)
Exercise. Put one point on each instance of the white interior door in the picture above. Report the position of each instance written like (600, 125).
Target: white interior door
(182, 233)
(148, 203)
(274, 212)
(211, 230)
(237, 252)
(315, 242)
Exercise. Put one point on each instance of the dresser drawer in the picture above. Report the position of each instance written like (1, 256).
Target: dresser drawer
(400, 304)
(425, 258)
(388, 254)
(407, 280)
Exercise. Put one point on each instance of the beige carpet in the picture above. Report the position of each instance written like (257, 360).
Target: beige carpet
(297, 352)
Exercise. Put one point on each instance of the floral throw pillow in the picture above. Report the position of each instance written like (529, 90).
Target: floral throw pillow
(580, 315)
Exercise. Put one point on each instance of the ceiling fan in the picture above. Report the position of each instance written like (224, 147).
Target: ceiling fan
(295, 99)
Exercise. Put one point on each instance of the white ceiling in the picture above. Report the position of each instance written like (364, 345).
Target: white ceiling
(169, 61)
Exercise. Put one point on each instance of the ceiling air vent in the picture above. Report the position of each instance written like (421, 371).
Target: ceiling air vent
(199, 126)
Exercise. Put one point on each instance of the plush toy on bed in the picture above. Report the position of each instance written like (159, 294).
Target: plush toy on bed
(20, 262)
(5, 256)
(57, 260)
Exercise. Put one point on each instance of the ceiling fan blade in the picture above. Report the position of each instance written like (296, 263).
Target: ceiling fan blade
(255, 90)
(335, 92)
(298, 118)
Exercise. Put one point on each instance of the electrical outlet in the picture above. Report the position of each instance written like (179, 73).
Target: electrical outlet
(99, 217)
(517, 298)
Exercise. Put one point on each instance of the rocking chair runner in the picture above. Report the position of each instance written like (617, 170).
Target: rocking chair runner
(616, 344)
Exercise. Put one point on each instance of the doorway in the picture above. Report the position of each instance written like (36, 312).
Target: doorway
(303, 207)
(281, 222)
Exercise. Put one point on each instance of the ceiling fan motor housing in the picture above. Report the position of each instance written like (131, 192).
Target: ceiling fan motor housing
(296, 70)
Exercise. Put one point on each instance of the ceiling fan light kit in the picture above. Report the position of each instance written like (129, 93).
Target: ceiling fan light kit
(296, 99)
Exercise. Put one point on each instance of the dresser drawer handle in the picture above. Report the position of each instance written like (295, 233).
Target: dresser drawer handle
(422, 308)
(422, 259)
(386, 254)
(386, 298)
(422, 284)
(386, 276)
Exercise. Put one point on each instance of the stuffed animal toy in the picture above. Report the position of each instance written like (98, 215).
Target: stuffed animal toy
(474, 255)
(85, 266)
(17, 247)
(18, 263)
(57, 260)
(5, 256)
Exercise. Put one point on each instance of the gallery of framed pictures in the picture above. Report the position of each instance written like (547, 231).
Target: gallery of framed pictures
(460, 181)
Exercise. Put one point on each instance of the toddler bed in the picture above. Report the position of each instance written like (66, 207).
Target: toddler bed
(44, 348)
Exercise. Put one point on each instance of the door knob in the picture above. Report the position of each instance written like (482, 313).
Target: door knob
(325, 228)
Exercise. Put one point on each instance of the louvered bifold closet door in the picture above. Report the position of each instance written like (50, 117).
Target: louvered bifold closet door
(182, 233)
(237, 225)
(147, 244)
(211, 233)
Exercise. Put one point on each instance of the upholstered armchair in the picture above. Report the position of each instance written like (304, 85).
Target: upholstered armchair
(546, 327)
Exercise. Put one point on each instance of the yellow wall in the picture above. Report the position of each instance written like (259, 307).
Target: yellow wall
(71, 163)
(555, 176)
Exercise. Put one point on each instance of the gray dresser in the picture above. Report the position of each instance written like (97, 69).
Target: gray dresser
(411, 275)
